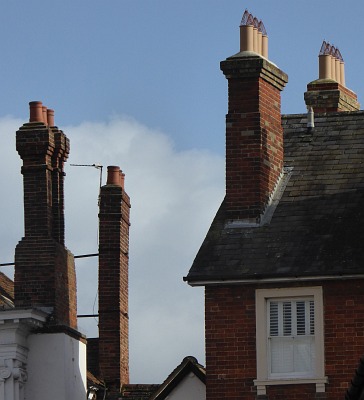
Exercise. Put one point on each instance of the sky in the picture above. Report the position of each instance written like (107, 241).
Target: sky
(137, 83)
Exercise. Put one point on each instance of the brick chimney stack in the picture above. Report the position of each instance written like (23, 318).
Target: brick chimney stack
(254, 135)
(113, 281)
(329, 93)
(44, 269)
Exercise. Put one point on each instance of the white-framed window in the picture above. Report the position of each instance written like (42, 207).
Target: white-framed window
(290, 337)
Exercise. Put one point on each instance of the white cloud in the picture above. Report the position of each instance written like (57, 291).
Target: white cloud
(174, 196)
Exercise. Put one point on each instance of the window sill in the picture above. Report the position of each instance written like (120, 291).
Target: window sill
(262, 384)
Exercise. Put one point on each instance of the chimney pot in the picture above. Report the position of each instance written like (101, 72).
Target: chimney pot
(333, 68)
(265, 46)
(50, 117)
(35, 111)
(113, 175)
(255, 40)
(342, 73)
(45, 119)
(324, 66)
(260, 44)
(246, 38)
(122, 179)
(337, 70)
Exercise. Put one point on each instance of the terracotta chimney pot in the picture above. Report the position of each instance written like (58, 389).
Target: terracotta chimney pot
(325, 66)
(255, 40)
(45, 118)
(50, 117)
(122, 179)
(333, 68)
(113, 175)
(265, 46)
(246, 38)
(260, 45)
(337, 70)
(35, 111)
(342, 73)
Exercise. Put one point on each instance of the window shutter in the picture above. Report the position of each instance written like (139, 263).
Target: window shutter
(273, 319)
(291, 337)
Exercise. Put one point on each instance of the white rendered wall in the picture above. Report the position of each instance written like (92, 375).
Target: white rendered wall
(15, 325)
(190, 388)
(56, 367)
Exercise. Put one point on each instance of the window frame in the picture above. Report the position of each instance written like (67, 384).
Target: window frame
(262, 298)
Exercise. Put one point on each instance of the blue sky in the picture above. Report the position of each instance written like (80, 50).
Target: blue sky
(158, 61)
(138, 84)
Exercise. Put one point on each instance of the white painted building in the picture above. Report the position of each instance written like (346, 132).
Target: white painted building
(39, 366)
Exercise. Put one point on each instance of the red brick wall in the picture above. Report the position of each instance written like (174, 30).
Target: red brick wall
(113, 286)
(344, 333)
(231, 349)
(230, 342)
(254, 136)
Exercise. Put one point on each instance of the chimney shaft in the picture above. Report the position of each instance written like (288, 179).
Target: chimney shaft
(113, 281)
(44, 268)
(254, 135)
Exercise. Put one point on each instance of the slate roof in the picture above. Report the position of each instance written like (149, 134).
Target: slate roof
(317, 228)
(138, 391)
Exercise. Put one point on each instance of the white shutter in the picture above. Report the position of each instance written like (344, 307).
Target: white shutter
(291, 340)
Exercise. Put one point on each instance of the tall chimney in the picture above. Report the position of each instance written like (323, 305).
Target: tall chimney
(44, 269)
(113, 281)
(328, 93)
(254, 135)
